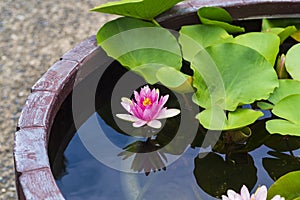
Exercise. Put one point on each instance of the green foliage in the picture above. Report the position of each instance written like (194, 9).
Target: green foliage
(267, 44)
(292, 62)
(288, 109)
(286, 87)
(284, 28)
(216, 119)
(287, 186)
(223, 80)
(194, 38)
(141, 9)
(219, 17)
(127, 40)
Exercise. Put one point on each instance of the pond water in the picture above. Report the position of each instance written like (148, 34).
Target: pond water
(86, 177)
(106, 158)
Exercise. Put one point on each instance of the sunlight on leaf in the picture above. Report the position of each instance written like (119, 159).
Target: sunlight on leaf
(284, 28)
(215, 118)
(267, 44)
(140, 46)
(288, 109)
(296, 36)
(196, 37)
(286, 87)
(292, 62)
(174, 79)
(230, 74)
(142, 9)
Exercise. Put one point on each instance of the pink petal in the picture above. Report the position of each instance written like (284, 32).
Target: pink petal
(154, 95)
(154, 124)
(139, 123)
(137, 97)
(261, 193)
(156, 109)
(245, 193)
(163, 100)
(147, 115)
(167, 113)
(136, 110)
(127, 117)
(126, 103)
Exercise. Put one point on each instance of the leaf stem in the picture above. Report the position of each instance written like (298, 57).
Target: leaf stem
(156, 23)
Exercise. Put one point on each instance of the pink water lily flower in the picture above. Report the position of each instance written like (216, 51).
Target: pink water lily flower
(260, 194)
(147, 108)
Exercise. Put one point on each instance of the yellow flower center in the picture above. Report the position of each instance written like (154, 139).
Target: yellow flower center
(147, 102)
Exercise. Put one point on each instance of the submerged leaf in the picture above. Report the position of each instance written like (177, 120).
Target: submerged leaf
(215, 175)
(219, 17)
(280, 165)
(140, 46)
(142, 9)
(229, 75)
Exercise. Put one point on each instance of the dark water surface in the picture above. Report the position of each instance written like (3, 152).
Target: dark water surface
(88, 178)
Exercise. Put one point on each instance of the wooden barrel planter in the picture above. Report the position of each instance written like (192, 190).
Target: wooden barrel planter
(34, 178)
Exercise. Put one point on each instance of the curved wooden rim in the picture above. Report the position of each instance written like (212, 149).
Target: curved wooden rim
(34, 179)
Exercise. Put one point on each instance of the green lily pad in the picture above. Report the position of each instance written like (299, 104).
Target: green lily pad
(264, 105)
(287, 186)
(228, 75)
(288, 109)
(215, 118)
(284, 28)
(286, 88)
(292, 62)
(174, 79)
(140, 46)
(282, 22)
(142, 9)
(219, 17)
(196, 37)
(296, 36)
(267, 44)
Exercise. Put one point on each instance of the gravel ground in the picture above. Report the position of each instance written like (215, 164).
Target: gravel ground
(33, 35)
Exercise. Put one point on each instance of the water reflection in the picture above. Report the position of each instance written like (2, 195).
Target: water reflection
(147, 156)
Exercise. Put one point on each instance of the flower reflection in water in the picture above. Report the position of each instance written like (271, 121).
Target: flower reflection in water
(148, 156)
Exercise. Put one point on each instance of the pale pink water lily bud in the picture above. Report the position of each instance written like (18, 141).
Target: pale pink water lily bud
(146, 108)
(260, 194)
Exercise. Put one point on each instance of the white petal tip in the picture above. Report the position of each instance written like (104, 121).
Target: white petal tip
(154, 124)
(168, 113)
(127, 117)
